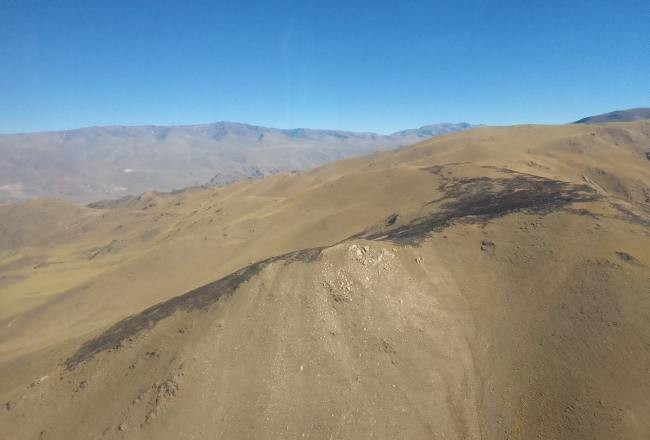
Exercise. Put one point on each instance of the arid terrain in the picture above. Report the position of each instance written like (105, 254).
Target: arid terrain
(487, 284)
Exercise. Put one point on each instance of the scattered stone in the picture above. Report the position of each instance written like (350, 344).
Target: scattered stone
(81, 386)
(385, 346)
(38, 382)
(123, 426)
(418, 260)
(487, 245)
(166, 390)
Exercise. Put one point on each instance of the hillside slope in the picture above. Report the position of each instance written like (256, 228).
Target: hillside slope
(493, 284)
(96, 163)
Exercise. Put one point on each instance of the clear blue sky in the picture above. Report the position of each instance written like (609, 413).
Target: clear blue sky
(371, 65)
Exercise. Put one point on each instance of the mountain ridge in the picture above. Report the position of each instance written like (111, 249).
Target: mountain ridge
(628, 115)
(106, 162)
(487, 284)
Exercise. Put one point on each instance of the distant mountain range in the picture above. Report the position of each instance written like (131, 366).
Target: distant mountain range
(95, 163)
(633, 114)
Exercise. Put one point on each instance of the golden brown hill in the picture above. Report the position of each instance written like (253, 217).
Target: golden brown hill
(489, 284)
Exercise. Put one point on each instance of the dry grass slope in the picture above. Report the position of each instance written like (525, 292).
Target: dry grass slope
(488, 284)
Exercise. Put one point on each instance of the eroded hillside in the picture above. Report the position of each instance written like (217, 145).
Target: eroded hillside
(487, 284)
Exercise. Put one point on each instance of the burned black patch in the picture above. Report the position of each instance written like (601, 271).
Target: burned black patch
(631, 216)
(435, 169)
(482, 199)
(628, 258)
(583, 212)
(467, 200)
(390, 221)
(198, 298)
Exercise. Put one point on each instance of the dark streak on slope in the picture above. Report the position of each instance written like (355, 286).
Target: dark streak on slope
(470, 200)
(199, 298)
(482, 199)
(631, 216)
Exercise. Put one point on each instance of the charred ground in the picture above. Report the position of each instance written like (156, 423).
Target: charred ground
(481, 199)
(465, 200)
(196, 299)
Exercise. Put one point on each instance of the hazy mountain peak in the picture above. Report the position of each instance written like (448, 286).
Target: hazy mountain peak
(431, 130)
(96, 163)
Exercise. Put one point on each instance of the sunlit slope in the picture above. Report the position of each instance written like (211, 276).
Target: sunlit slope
(487, 284)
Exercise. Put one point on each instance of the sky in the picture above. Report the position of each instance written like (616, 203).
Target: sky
(377, 65)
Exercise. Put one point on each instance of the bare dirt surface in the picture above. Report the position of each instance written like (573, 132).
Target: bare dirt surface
(492, 284)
